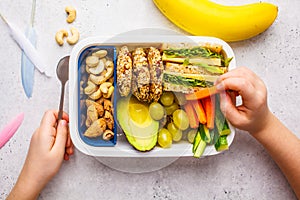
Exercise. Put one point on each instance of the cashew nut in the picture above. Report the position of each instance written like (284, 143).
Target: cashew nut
(104, 60)
(101, 100)
(111, 80)
(109, 64)
(70, 10)
(96, 129)
(109, 93)
(92, 61)
(98, 106)
(100, 53)
(96, 95)
(108, 135)
(107, 105)
(109, 72)
(74, 38)
(97, 79)
(92, 113)
(105, 86)
(104, 76)
(90, 88)
(88, 122)
(97, 70)
(59, 36)
(109, 120)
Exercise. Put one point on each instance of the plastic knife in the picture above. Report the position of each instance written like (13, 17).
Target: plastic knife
(27, 67)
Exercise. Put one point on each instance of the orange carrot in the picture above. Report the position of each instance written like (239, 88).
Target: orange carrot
(197, 105)
(209, 107)
(202, 93)
(193, 119)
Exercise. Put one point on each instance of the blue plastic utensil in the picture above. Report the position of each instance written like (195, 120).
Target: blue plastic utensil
(27, 67)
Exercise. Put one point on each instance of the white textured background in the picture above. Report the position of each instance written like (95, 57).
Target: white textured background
(246, 171)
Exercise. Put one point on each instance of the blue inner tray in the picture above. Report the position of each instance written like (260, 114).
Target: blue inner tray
(97, 141)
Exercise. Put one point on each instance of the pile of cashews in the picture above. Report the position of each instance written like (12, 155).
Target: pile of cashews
(61, 34)
(96, 89)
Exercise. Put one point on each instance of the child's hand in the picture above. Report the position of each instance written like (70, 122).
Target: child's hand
(254, 112)
(49, 146)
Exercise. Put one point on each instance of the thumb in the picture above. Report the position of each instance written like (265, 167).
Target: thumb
(61, 137)
(228, 108)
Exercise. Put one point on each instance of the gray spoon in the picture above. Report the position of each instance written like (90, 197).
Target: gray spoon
(62, 72)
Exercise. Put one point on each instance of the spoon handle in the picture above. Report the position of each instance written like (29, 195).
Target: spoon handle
(61, 103)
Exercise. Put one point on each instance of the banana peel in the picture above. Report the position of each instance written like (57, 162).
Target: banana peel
(230, 23)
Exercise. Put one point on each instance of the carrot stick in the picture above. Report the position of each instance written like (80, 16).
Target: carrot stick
(193, 119)
(202, 93)
(197, 105)
(209, 107)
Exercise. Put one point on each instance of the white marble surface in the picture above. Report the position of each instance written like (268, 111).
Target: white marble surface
(246, 171)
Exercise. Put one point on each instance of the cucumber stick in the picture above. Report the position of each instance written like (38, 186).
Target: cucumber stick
(220, 121)
(196, 141)
(204, 133)
(222, 143)
(198, 146)
(200, 149)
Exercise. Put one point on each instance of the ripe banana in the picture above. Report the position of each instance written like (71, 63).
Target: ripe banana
(230, 23)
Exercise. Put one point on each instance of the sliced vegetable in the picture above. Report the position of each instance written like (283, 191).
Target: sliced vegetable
(226, 130)
(200, 149)
(212, 69)
(190, 52)
(212, 61)
(204, 133)
(197, 139)
(222, 143)
(201, 93)
(209, 107)
(193, 118)
(220, 121)
(214, 135)
(185, 81)
(217, 62)
(197, 105)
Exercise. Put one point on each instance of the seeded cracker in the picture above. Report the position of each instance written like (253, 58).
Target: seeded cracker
(140, 76)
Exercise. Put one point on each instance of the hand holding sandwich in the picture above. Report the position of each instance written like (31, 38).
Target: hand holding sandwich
(255, 117)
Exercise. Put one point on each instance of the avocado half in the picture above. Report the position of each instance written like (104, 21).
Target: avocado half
(134, 118)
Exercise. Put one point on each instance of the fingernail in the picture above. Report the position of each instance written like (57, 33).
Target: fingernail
(63, 122)
(220, 86)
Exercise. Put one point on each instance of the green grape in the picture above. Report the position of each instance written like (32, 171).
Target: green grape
(167, 98)
(191, 135)
(180, 119)
(164, 138)
(180, 98)
(176, 133)
(156, 111)
(170, 109)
